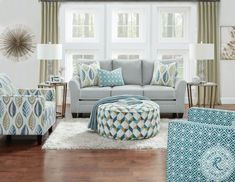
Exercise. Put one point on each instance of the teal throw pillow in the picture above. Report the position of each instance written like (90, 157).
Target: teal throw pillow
(164, 74)
(110, 78)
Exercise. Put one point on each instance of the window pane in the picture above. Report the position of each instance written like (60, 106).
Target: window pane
(172, 25)
(180, 63)
(128, 25)
(83, 25)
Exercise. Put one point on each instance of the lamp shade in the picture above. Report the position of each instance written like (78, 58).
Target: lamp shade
(49, 51)
(201, 51)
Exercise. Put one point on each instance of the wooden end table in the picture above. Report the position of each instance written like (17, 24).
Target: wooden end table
(59, 114)
(212, 93)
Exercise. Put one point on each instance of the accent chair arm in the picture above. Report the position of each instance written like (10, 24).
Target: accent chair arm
(211, 116)
(47, 93)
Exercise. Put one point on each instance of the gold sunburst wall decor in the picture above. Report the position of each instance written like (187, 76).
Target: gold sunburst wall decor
(17, 43)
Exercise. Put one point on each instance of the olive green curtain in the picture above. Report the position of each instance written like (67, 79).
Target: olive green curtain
(208, 32)
(49, 33)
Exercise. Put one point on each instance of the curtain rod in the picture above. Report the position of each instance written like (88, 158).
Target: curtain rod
(129, 0)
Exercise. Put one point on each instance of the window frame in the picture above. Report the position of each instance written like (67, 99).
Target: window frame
(115, 53)
(149, 45)
(174, 9)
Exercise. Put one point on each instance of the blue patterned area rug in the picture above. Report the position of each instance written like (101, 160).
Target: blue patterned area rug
(73, 134)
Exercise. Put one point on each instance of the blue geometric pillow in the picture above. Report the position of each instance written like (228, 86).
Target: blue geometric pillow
(110, 78)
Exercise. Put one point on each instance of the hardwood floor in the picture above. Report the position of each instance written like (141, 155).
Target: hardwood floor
(23, 160)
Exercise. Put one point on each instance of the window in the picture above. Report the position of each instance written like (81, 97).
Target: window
(128, 25)
(173, 24)
(83, 25)
(128, 31)
(128, 22)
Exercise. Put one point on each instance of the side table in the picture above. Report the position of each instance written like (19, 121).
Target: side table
(60, 114)
(212, 93)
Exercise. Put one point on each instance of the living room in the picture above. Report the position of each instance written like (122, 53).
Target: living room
(117, 90)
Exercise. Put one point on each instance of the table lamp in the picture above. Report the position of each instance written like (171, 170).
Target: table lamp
(201, 52)
(49, 52)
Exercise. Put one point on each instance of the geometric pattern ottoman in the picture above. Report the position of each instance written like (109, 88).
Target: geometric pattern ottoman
(123, 121)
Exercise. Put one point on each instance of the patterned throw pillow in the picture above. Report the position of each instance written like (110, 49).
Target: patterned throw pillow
(164, 74)
(6, 86)
(88, 74)
(110, 78)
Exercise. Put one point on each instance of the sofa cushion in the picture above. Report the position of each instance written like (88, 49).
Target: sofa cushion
(95, 92)
(127, 89)
(104, 64)
(131, 71)
(147, 67)
(159, 92)
(110, 78)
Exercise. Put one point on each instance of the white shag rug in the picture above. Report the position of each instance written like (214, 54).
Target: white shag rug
(73, 134)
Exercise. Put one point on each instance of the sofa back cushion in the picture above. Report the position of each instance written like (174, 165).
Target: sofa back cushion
(131, 71)
(147, 67)
(104, 64)
(6, 86)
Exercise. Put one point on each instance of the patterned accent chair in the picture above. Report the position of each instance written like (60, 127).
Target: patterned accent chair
(202, 148)
(25, 111)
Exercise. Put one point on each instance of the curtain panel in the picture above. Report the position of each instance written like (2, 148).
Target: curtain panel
(208, 32)
(49, 33)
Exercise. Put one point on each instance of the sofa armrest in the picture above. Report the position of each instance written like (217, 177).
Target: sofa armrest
(211, 116)
(74, 88)
(47, 93)
(180, 89)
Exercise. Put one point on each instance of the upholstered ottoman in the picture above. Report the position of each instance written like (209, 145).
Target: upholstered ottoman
(133, 121)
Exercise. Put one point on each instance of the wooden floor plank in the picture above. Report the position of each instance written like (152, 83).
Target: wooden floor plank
(23, 160)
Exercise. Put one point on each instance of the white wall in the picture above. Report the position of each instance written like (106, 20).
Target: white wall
(27, 12)
(227, 68)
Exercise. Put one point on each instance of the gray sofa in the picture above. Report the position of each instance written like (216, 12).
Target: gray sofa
(137, 75)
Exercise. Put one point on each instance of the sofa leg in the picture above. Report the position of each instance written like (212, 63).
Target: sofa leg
(8, 139)
(39, 139)
(50, 130)
(174, 115)
(74, 115)
(180, 115)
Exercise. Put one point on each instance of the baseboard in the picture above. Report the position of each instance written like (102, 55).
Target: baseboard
(228, 100)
